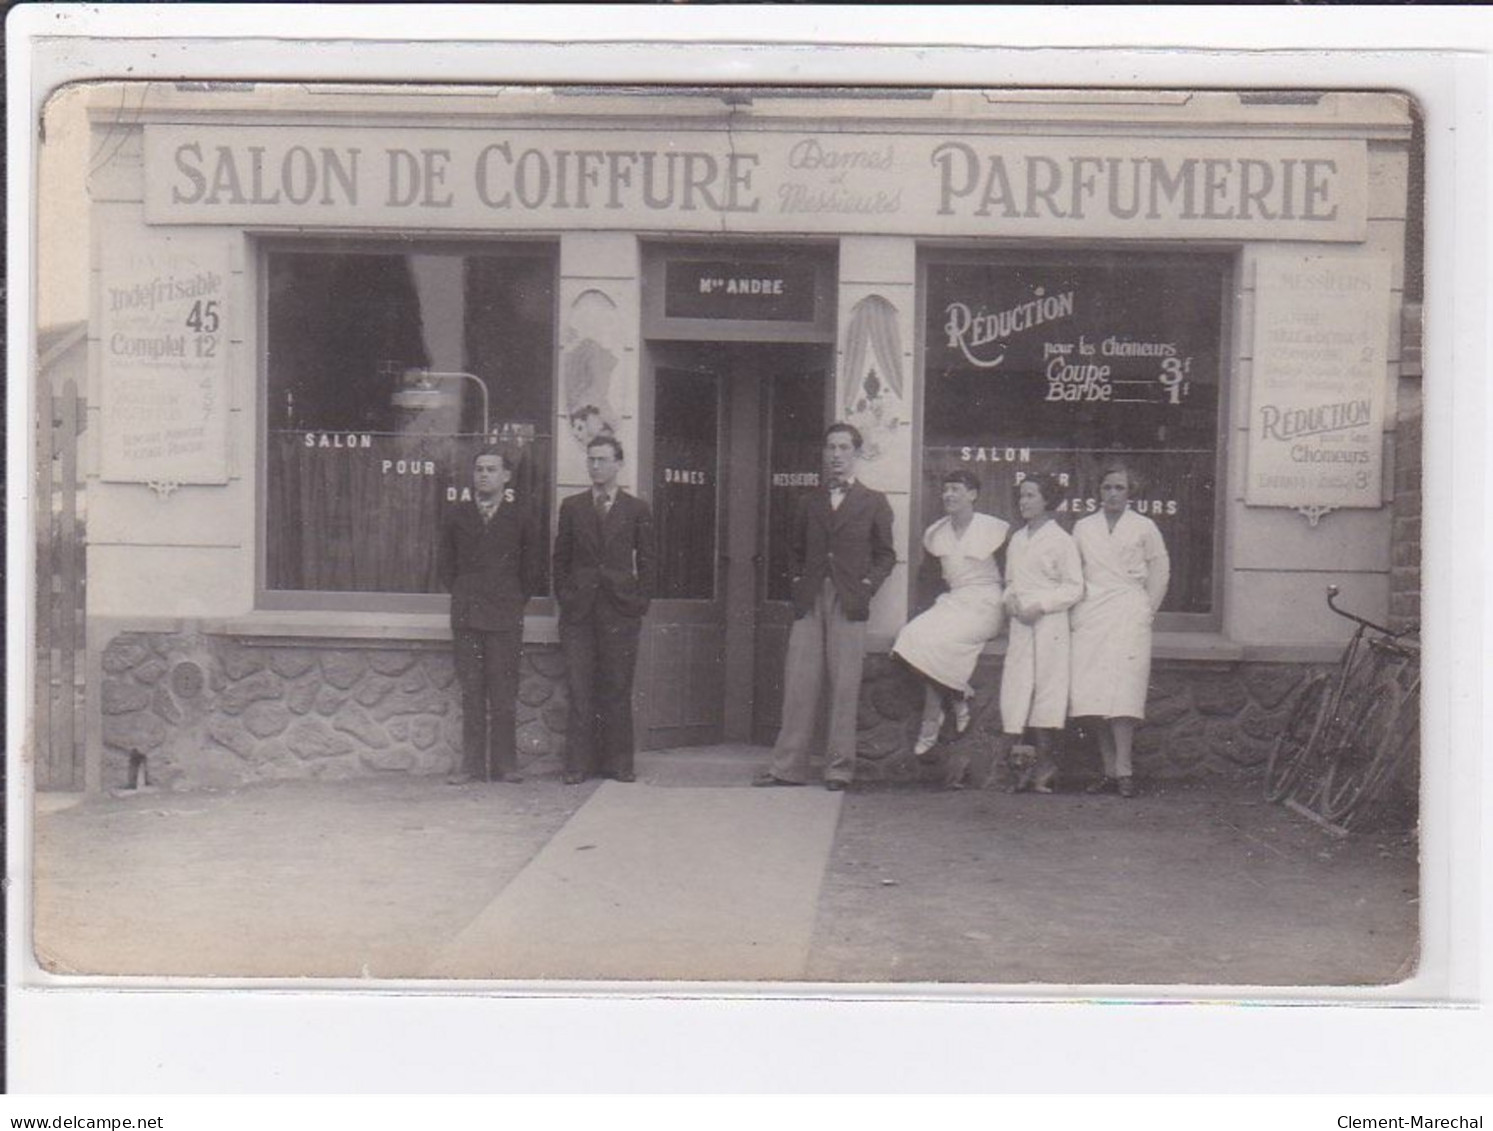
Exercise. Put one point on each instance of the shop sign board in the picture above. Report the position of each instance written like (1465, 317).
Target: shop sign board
(748, 291)
(1318, 388)
(713, 180)
(163, 324)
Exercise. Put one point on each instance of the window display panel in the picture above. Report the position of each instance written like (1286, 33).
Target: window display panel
(1062, 363)
(686, 452)
(795, 443)
(386, 372)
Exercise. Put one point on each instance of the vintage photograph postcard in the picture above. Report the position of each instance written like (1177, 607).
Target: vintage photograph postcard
(506, 525)
(456, 504)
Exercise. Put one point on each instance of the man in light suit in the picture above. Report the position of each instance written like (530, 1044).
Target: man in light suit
(489, 560)
(840, 553)
(604, 570)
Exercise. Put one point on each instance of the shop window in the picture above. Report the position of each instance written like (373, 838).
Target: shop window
(387, 370)
(1059, 363)
(795, 442)
(686, 453)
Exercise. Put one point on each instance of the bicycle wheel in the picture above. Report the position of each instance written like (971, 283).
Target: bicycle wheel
(1401, 748)
(1294, 748)
(1358, 763)
(1374, 664)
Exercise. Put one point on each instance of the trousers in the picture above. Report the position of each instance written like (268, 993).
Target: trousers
(822, 643)
(601, 656)
(487, 671)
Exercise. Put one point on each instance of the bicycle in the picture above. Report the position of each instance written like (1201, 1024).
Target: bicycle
(1350, 734)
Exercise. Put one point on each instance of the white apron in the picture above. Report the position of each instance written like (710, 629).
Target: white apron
(944, 643)
(1034, 684)
(1125, 573)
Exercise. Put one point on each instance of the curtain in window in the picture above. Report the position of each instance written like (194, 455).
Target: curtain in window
(357, 487)
(873, 334)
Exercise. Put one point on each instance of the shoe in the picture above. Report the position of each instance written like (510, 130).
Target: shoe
(509, 779)
(835, 785)
(459, 779)
(574, 778)
(961, 716)
(927, 738)
(1127, 787)
(624, 776)
(1105, 784)
(767, 779)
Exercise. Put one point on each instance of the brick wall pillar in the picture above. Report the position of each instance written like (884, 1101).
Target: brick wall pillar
(1404, 587)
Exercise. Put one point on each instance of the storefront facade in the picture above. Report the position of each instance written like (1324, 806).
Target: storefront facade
(311, 305)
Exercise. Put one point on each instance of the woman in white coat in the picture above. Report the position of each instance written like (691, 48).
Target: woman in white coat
(944, 643)
(1126, 571)
(1043, 581)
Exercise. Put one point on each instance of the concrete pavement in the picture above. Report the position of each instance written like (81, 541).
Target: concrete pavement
(689, 874)
(690, 884)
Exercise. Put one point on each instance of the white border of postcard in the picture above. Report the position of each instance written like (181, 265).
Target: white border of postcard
(143, 1037)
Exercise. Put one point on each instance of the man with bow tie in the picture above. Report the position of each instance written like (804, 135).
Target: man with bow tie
(604, 570)
(840, 553)
(489, 561)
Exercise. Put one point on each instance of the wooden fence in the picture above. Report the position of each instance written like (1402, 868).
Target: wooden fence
(59, 736)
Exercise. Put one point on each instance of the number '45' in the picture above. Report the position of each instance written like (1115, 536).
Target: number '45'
(203, 317)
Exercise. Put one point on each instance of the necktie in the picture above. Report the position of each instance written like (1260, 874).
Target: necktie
(603, 504)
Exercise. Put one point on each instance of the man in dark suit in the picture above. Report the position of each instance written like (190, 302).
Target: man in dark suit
(489, 560)
(841, 551)
(604, 570)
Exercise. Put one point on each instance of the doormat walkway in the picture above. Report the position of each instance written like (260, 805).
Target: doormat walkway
(661, 884)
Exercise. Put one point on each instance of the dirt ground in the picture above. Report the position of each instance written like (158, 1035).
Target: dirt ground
(1186, 884)
(316, 879)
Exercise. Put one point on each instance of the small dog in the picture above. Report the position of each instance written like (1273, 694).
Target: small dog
(1026, 769)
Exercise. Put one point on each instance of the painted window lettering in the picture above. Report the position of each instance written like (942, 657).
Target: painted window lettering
(968, 330)
(1102, 356)
(337, 440)
(1069, 381)
(995, 454)
(466, 495)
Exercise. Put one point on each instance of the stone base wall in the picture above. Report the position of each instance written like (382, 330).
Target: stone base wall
(216, 711)
(211, 711)
(1201, 719)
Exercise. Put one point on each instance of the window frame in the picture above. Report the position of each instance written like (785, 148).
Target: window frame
(1229, 257)
(260, 247)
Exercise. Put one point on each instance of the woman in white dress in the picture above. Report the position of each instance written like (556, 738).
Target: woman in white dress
(1125, 570)
(944, 643)
(1044, 579)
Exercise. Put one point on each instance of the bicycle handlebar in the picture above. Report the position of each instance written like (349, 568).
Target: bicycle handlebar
(1332, 592)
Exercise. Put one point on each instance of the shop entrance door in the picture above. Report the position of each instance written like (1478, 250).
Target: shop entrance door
(737, 432)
